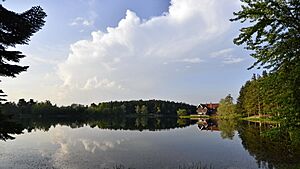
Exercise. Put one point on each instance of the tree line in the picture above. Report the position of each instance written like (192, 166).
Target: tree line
(25, 108)
(268, 95)
(259, 96)
(272, 34)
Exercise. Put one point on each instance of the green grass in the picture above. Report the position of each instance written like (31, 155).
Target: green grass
(194, 116)
(261, 119)
(233, 116)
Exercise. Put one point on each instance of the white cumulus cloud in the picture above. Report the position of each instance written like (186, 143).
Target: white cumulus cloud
(139, 58)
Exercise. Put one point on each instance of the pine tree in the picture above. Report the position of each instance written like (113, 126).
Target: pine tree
(2, 95)
(16, 29)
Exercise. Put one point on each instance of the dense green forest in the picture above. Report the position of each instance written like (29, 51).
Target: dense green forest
(116, 108)
(261, 97)
(272, 34)
(265, 97)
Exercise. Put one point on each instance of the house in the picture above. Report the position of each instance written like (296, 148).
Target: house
(201, 110)
(207, 109)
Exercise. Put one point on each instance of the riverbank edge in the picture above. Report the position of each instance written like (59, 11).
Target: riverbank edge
(269, 120)
(194, 116)
(256, 119)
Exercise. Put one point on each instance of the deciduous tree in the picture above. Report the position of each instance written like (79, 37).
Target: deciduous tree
(273, 34)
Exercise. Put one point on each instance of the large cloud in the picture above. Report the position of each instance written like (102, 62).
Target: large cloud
(143, 58)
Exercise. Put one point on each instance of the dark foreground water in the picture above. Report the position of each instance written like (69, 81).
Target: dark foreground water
(77, 145)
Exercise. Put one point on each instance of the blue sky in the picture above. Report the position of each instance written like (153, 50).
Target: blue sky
(101, 50)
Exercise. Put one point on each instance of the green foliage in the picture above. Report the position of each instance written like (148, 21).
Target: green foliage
(274, 38)
(270, 96)
(16, 29)
(226, 106)
(274, 32)
(250, 101)
(181, 112)
(116, 108)
(227, 128)
(263, 119)
(194, 116)
(144, 109)
(141, 109)
(271, 147)
(8, 128)
(239, 108)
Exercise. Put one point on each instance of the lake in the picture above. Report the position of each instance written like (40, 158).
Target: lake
(144, 143)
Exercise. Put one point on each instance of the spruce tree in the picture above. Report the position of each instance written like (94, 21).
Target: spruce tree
(16, 29)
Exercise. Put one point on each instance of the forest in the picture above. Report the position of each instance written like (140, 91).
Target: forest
(31, 108)
(272, 35)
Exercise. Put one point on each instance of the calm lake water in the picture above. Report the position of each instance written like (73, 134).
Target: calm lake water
(192, 144)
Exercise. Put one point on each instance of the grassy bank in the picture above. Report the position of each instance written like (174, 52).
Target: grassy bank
(261, 119)
(193, 116)
(251, 118)
(228, 117)
(235, 117)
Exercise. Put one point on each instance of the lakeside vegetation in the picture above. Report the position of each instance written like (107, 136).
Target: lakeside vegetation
(114, 108)
(271, 97)
(280, 149)
(268, 120)
(260, 101)
(194, 116)
(272, 36)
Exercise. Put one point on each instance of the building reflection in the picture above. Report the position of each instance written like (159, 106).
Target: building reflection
(207, 124)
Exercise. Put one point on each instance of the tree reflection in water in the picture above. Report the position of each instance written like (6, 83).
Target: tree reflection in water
(226, 127)
(272, 147)
(280, 151)
(11, 126)
(8, 128)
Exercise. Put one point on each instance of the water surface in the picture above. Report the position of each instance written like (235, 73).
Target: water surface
(78, 145)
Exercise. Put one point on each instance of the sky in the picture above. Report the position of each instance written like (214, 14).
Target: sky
(90, 51)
